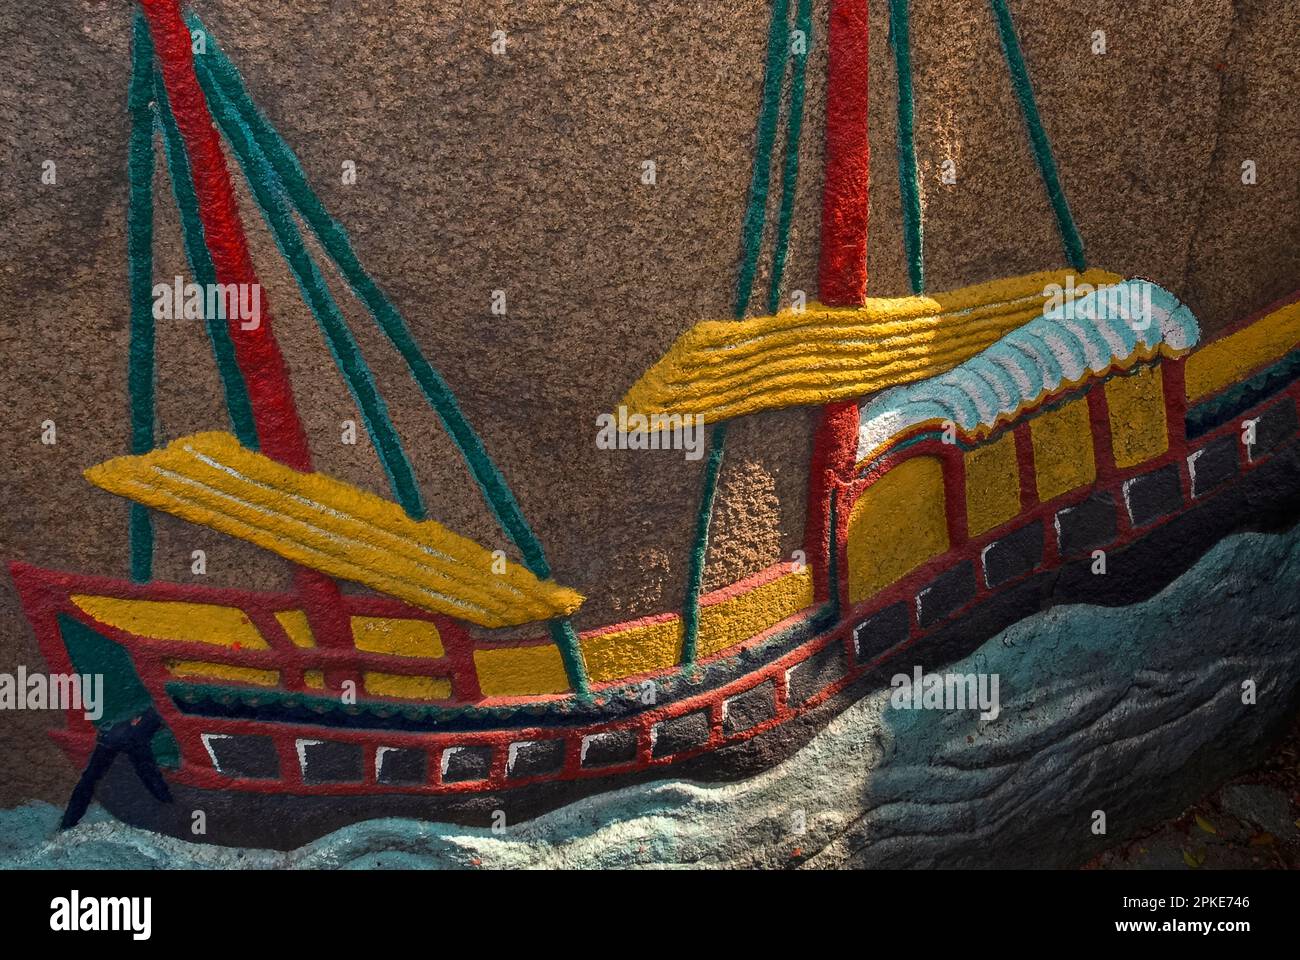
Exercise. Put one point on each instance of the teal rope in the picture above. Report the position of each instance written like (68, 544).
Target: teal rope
(751, 234)
(790, 174)
(139, 251)
(1038, 136)
(334, 239)
(238, 407)
(908, 186)
(778, 47)
(703, 519)
(343, 346)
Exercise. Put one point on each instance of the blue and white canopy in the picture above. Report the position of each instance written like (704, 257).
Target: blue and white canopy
(1111, 327)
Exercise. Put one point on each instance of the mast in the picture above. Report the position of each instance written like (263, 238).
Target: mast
(280, 432)
(842, 264)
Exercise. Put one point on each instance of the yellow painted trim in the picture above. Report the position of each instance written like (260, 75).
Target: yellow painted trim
(626, 653)
(897, 524)
(992, 485)
(199, 669)
(725, 369)
(645, 648)
(738, 618)
(401, 638)
(520, 671)
(328, 525)
(175, 620)
(1224, 362)
(406, 687)
(295, 624)
(1063, 457)
(1138, 428)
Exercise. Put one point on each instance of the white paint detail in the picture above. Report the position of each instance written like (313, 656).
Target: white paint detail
(301, 746)
(446, 758)
(514, 752)
(207, 739)
(379, 760)
(1128, 504)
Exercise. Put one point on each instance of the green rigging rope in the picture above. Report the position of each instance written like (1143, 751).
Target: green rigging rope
(1038, 136)
(909, 187)
(139, 249)
(700, 548)
(334, 240)
(751, 233)
(778, 47)
(343, 346)
(790, 173)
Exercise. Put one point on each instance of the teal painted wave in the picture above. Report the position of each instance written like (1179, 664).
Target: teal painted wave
(1127, 709)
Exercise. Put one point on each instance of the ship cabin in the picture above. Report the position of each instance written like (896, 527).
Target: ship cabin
(934, 517)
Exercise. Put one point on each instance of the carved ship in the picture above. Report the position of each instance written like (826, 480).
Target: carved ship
(936, 546)
(996, 450)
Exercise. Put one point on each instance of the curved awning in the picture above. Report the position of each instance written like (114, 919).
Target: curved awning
(1111, 328)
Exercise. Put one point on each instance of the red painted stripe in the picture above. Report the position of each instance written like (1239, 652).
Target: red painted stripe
(835, 448)
(842, 270)
(1028, 472)
(279, 429)
(953, 463)
(842, 264)
(1103, 447)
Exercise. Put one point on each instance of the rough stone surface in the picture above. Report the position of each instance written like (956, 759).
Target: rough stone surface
(1276, 424)
(945, 594)
(1086, 525)
(465, 763)
(881, 631)
(244, 756)
(332, 762)
(749, 709)
(603, 749)
(522, 173)
(535, 757)
(401, 766)
(1015, 554)
(818, 671)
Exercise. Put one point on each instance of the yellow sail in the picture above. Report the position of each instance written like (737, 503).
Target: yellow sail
(331, 526)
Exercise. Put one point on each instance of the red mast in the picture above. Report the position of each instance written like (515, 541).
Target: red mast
(842, 268)
(280, 431)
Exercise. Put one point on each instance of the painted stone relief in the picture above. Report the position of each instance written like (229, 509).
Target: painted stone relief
(1030, 455)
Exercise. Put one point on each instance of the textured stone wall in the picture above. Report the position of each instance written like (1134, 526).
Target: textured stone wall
(522, 173)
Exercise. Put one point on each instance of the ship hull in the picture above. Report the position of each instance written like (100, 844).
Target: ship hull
(280, 764)
(1268, 498)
